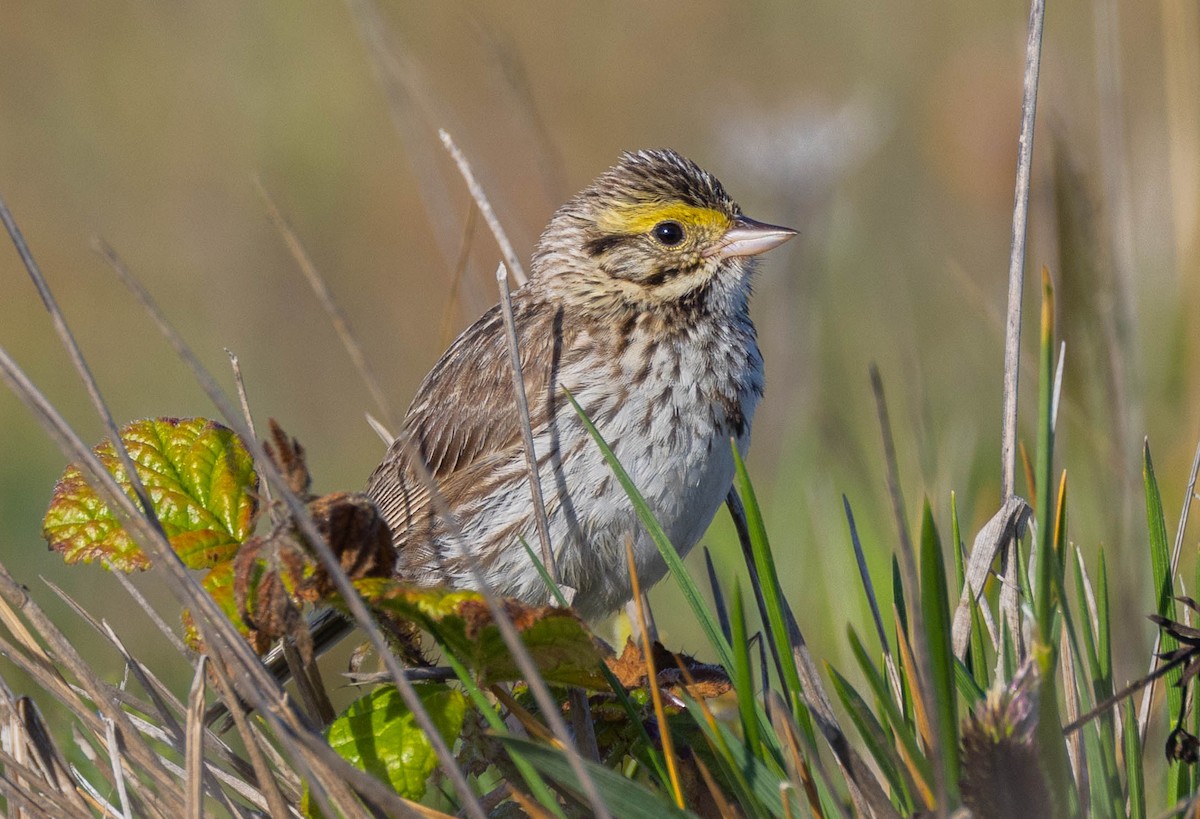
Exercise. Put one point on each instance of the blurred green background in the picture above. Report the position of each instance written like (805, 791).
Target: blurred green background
(886, 133)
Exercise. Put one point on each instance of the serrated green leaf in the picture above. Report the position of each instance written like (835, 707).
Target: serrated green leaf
(219, 584)
(378, 734)
(559, 642)
(201, 482)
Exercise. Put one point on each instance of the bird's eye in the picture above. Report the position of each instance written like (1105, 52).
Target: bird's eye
(669, 233)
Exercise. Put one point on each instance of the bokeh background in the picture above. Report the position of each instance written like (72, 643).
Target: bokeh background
(886, 133)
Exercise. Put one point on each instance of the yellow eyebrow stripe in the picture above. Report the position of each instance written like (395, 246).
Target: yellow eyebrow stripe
(640, 218)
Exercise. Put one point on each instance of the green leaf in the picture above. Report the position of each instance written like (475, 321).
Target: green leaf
(1134, 764)
(768, 577)
(219, 585)
(491, 714)
(757, 780)
(201, 482)
(968, 688)
(878, 743)
(919, 767)
(743, 680)
(623, 797)
(1164, 595)
(935, 608)
(378, 734)
(559, 642)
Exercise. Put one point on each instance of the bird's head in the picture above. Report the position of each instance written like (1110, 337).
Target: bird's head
(654, 229)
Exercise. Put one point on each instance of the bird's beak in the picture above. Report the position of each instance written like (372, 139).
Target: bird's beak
(750, 238)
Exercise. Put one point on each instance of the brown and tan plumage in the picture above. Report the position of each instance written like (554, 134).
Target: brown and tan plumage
(637, 304)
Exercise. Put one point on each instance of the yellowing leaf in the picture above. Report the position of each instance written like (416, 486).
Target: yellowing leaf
(557, 639)
(201, 482)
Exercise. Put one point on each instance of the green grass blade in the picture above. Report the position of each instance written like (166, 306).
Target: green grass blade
(763, 777)
(935, 609)
(726, 760)
(555, 592)
(743, 675)
(714, 586)
(898, 598)
(1160, 559)
(769, 580)
(960, 569)
(1043, 476)
(966, 684)
(1134, 765)
(624, 797)
(1164, 599)
(900, 606)
(537, 786)
(979, 656)
(1008, 652)
(876, 740)
(1099, 738)
(653, 755)
(1088, 633)
(919, 766)
(1103, 636)
(687, 586)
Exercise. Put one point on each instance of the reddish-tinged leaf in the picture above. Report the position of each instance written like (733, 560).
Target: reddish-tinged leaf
(201, 482)
(557, 639)
(219, 584)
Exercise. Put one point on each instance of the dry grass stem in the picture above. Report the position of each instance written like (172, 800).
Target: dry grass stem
(921, 665)
(531, 460)
(446, 332)
(295, 506)
(1005, 526)
(1071, 694)
(485, 210)
(514, 352)
(325, 298)
(737, 513)
(195, 743)
(668, 744)
(1009, 603)
(411, 108)
(244, 402)
(149, 611)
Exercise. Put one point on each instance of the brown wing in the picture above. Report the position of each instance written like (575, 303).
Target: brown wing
(463, 423)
